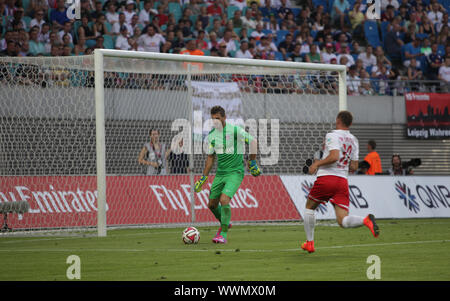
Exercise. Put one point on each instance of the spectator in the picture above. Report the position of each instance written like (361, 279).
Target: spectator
(367, 57)
(373, 158)
(44, 34)
(202, 44)
(393, 44)
(267, 9)
(116, 27)
(80, 47)
(435, 16)
(258, 32)
(38, 19)
(213, 42)
(444, 71)
(215, 9)
(99, 43)
(144, 14)
(397, 168)
(412, 50)
(85, 30)
(97, 12)
(237, 20)
(191, 48)
(129, 10)
(179, 160)
(11, 49)
(426, 27)
(154, 155)
(344, 53)
(36, 5)
(58, 15)
(283, 9)
(247, 20)
(243, 52)
(239, 3)
(328, 54)
(353, 82)
(366, 87)
(67, 30)
(379, 54)
(35, 47)
(52, 39)
(444, 22)
(111, 15)
(287, 45)
(228, 40)
(222, 50)
(434, 61)
(272, 24)
(163, 17)
(414, 74)
(296, 55)
(357, 19)
(426, 47)
(151, 41)
(122, 39)
(313, 56)
(386, 3)
(338, 11)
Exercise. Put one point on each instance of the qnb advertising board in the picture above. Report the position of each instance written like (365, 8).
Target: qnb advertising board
(383, 196)
(427, 115)
(71, 201)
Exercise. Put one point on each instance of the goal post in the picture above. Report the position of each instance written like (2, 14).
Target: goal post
(100, 54)
(88, 122)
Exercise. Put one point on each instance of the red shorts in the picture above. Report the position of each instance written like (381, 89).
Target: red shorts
(331, 188)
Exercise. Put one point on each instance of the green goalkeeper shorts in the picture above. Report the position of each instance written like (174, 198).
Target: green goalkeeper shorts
(227, 184)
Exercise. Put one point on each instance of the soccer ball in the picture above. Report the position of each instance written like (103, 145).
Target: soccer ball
(191, 235)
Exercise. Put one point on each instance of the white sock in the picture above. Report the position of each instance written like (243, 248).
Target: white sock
(309, 221)
(352, 221)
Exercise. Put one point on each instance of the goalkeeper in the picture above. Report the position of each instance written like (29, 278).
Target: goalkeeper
(227, 142)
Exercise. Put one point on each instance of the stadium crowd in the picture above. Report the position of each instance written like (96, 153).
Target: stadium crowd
(409, 41)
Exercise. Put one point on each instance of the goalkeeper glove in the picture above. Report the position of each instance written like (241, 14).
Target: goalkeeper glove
(199, 183)
(254, 169)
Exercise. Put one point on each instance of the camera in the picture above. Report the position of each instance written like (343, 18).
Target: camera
(160, 166)
(411, 163)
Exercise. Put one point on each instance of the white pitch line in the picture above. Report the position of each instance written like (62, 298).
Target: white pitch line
(221, 250)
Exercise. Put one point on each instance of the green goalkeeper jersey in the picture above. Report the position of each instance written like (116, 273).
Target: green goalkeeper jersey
(229, 146)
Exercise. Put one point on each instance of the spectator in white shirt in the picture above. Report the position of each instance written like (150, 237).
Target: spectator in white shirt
(38, 19)
(247, 20)
(129, 11)
(116, 27)
(435, 15)
(122, 39)
(444, 71)
(227, 39)
(328, 54)
(367, 57)
(66, 30)
(144, 15)
(343, 53)
(111, 15)
(243, 52)
(151, 41)
(385, 3)
(258, 33)
(353, 82)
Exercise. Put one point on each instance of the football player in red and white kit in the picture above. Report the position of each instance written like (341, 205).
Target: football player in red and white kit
(340, 155)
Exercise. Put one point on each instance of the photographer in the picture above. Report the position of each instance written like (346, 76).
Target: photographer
(154, 154)
(402, 169)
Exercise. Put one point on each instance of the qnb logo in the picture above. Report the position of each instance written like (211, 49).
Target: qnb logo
(306, 188)
(373, 9)
(409, 199)
(74, 9)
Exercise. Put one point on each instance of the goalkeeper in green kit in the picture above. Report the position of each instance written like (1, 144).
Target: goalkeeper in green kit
(227, 142)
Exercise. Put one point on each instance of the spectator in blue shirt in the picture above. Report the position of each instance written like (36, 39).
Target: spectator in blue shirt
(268, 10)
(340, 8)
(412, 50)
(58, 16)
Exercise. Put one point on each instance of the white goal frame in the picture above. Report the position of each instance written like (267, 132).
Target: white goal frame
(100, 54)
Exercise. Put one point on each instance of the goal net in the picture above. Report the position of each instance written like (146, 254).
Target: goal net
(118, 138)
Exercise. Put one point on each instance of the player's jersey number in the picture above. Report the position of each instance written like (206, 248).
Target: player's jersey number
(345, 159)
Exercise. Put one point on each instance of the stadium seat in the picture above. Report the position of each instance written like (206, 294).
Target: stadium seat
(295, 11)
(281, 34)
(175, 9)
(369, 70)
(279, 56)
(267, 31)
(90, 43)
(441, 50)
(421, 36)
(371, 33)
(108, 43)
(384, 29)
(230, 11)
(27, 20)
(25, 4)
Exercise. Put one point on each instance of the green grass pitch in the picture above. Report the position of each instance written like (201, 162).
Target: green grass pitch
(416, 249)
